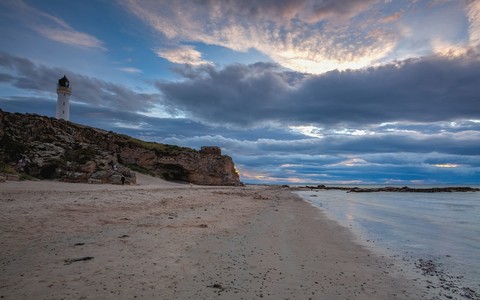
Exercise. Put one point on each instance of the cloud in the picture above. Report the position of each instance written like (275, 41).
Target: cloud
(26, 75)
(228, 95)
(183, 55)
(52, 27)
(356, 169)
(337, 152)
(473, 13)
(379, 143)
(370, 168)
(316, 36)
(424, 90)
(6, 77)
(391, 18)
(69, 36)
(408, 120)
(397, 153)
(307, 36)
(131, 70)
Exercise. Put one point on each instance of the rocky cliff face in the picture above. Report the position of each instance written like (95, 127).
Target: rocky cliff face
(56, 149)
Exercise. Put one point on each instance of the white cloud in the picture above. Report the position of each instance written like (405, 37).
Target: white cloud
(69, 36)
(307, 130)
(473, 13)
(54, 28)
(447, 165)
(183, 55)
(130, 70)
(316, 36)
(351, 162)
(307, 36)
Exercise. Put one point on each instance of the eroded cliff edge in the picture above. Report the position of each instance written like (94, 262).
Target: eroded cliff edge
(48, 148)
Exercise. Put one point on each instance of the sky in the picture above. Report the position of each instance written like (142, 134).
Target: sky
(295, 91)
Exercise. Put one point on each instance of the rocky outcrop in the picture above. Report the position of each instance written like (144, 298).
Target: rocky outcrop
(391, 189)
(48, 148)
(407, 189)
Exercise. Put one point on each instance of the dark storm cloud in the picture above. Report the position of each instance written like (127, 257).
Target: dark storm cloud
(407, 147)
(24, 74)
(282, 156)
(391, 149)
(6, 77)
(179, 131)
(400, 159)
(40, 106)
(418, 90)
(384, 143)
(150, 128)
(237, 94)
(387, 168)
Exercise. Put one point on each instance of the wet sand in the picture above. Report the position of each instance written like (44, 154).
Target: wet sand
(160, 240)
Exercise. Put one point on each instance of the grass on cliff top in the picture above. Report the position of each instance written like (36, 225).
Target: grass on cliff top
(160, 149)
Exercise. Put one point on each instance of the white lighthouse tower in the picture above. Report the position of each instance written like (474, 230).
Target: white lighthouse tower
(63, 101)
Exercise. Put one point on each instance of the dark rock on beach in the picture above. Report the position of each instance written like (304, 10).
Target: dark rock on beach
(449, 287)
(404, 189)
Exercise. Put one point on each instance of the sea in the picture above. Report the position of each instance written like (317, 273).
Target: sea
(440, 227)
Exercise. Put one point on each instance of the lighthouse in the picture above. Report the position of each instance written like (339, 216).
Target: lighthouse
(63, 100)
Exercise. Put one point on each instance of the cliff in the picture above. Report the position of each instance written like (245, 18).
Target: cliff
(48, 148)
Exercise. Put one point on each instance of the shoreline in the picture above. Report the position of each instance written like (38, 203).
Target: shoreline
(171, 241)
(436, 276)
(290, 250)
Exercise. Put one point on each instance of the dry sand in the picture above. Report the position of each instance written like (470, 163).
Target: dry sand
(160, 240)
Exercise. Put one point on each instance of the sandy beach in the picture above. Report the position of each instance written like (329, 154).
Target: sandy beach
(162, 240)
